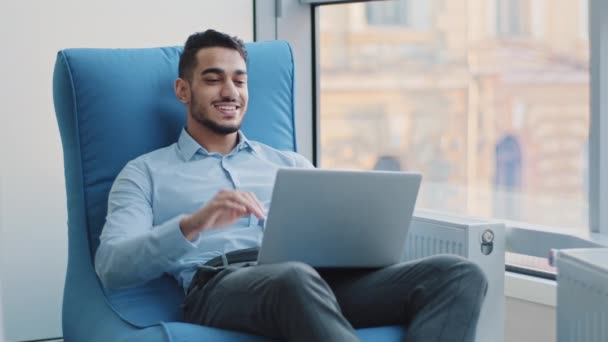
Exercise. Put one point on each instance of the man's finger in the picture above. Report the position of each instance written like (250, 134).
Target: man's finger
(245, 199)
(229, 204)
(257, 203)
(250, 203)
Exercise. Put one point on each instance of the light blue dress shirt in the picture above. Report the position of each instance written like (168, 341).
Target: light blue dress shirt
(141, 239)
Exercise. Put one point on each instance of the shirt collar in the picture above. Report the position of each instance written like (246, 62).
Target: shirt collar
(244, 143)
(188, 147)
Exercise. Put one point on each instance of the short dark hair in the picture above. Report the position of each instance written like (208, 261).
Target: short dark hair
(200, 40)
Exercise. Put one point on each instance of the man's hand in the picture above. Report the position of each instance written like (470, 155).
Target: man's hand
(224, 209)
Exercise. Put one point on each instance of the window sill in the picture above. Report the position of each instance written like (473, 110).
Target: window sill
(531, 289)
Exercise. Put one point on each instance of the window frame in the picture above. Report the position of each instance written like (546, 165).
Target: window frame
(296, 22)
(598, 131)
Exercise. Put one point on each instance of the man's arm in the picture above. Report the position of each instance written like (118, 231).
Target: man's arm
(132, 251)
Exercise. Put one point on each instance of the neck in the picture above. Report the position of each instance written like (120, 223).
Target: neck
(211, 141)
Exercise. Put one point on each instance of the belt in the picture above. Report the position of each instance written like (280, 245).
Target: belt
(214, 266)
(234, 257)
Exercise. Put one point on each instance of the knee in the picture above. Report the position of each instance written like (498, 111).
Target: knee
(472, 275)
(295, 277)
(444, 261)
(457, 266)
(475, 276)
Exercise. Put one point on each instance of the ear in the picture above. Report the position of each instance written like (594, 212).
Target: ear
(182, 90)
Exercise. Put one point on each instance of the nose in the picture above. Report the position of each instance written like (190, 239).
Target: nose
(229, 90)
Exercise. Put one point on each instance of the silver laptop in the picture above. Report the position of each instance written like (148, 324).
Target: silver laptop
(329, 218)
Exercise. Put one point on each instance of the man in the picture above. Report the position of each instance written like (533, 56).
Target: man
(177, 209)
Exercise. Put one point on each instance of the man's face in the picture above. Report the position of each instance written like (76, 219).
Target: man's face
(218, 90)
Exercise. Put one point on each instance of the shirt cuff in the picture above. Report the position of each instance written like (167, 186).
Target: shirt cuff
(171, 241)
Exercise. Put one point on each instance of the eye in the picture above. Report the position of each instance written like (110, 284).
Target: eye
(240, 82)
(212, 80)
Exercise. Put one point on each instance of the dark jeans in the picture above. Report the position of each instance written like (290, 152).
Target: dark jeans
(438, 298)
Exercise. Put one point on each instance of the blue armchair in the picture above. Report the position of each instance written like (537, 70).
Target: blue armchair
(113, 105)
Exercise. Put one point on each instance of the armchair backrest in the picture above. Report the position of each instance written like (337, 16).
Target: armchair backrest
(113, 105)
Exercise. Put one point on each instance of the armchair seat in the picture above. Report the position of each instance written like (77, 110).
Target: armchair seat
(182, 332)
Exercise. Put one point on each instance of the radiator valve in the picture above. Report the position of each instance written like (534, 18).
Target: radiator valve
(487, 242)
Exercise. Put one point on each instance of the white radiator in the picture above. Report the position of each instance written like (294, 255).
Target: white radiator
(582, 295)
(482, 242)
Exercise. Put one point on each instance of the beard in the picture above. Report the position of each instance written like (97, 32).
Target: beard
(216, 127)
(200, 115)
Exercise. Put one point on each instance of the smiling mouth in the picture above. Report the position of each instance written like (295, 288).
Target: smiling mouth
(228, 110)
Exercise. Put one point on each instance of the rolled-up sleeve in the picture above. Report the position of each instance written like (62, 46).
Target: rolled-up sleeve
(132, 251)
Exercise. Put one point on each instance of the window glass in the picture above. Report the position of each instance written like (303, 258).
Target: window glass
(488, 99)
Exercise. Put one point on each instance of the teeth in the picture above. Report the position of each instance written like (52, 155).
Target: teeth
(226, 107)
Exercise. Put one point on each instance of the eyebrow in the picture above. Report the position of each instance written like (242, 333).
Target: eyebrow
(239, 72)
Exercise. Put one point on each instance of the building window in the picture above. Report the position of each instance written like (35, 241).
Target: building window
(402, 13)
(507, 177)
(511, 18)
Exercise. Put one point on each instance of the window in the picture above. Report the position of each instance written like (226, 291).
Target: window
(497, 128)
(499, 124)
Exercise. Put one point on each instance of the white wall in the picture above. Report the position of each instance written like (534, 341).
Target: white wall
(529, 322)
(33, 246)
